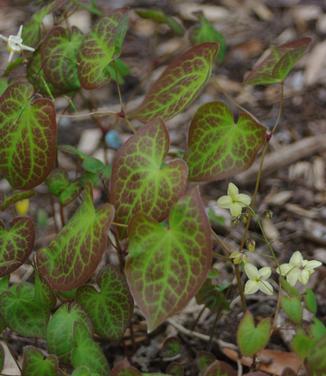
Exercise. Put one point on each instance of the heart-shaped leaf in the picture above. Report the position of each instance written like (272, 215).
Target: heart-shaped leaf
(27, 136)
(219, 146)
(16, 244)
(100, 48)
(110, 307)
(71, 258)
(251, 338)
(277, 63)
(22, 312)
(167, 264)
(86, 352)
(59, 333)
(36, 364)
(60, 186)
(292, 307)
(141, 181)
(178, 85)
(59, 58)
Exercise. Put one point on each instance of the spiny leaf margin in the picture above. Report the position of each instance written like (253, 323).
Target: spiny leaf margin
(218, 147)
(141, 182)
(71, 258)
(179, 84)
(166, 265)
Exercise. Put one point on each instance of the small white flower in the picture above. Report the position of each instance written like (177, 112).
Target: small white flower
(298, 269)
(258, 280)
(15, 43)
(234, 201)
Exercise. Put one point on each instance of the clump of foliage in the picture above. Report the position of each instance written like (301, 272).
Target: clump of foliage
(154, 217)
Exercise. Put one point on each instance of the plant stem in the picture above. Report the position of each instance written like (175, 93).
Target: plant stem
(62, 215)
(131, 127)
(198, 318)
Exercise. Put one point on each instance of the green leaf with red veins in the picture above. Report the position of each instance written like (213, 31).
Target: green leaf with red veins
(35, 363)
(72, 257)
(275, 65)
(59, 55)
(142, 183)
(22, 313)
(36, 76)
(59, 333)
(110, 307)
(16, 244)
(86, 352)
(43, 294)
(100, 48)
(179, 84)
(167, 264)
(219, 146)
(28, 133)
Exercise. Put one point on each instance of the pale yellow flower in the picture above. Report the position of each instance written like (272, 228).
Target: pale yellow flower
(15, 44)
(298, 269)
(234, 201)
(258, 280)
(238, 257)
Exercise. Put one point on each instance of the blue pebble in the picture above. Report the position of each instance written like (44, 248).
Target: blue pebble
(113, 140)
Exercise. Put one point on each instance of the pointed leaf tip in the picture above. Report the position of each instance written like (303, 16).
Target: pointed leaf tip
(142, 182)
(218, 147)
(275, 65)
(166, 265)
(179, 84)
(28, 132)
(71, 258)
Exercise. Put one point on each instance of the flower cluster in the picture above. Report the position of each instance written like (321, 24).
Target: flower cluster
(297, 269)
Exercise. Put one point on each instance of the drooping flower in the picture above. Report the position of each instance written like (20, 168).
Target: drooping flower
(15, 44)
(298, 269)
(234, 201)
(238, 257)
(257, 280)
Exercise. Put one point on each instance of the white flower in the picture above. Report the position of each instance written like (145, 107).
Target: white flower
(15, 43)
(258, 280)
(298, 269)
(234, 200)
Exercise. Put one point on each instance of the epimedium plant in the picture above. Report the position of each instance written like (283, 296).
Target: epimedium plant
(154, 218)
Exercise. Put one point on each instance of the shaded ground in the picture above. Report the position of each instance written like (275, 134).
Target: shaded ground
(294, 189)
